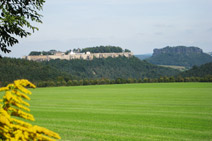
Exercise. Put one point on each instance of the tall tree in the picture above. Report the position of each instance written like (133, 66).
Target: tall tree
(15, 18)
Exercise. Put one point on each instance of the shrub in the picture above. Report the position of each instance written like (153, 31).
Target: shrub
(12, 105)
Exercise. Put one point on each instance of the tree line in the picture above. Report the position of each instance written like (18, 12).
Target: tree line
(119, 70)
(199, 71)
(104, 81)
(104, 49)
(111, 68)
(36, 53)
(12, 69)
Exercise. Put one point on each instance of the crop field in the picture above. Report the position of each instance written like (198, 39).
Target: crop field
(158, 111)
(180, 68)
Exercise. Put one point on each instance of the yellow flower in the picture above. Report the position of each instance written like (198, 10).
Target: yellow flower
(13, 129)
(46, 132)
(21, 94)
(3, 129)
(4, 89)
(10, 86)
(4, 120)
(4, 113)
(20, 106)
(25, 124)
(20, 113)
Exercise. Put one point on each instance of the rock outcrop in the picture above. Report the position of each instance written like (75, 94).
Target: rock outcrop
(180, 56)
(177, 50)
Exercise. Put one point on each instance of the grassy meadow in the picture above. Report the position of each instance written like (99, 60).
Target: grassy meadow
(159, 111)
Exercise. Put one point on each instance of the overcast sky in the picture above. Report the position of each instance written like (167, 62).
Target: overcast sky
(138, 25)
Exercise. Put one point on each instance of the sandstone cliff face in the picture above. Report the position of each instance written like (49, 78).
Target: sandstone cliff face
(177, 50)
(180, 56)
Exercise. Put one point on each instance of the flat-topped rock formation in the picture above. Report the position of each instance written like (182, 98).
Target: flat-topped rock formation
(177, 50)
(179, 56)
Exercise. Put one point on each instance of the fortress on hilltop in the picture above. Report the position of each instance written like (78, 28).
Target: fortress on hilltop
(73, 55)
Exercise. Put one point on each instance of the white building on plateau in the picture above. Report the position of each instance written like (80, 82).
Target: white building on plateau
(73, 55)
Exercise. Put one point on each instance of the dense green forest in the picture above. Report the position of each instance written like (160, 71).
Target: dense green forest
(104, 49)
(180, 56)
(111, 68)
(51, 52)
(98, 71)
(201, 71)
(12, 69)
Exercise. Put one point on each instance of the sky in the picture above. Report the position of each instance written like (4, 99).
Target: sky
(138, 25)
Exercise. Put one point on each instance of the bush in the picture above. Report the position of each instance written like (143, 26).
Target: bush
(13, 105)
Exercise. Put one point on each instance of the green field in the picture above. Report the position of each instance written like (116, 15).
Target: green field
(160, 111)
(180, 68)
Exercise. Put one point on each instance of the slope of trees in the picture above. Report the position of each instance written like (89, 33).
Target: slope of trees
(111, 68)
(12, 69)
(96, 72)
(201, 71)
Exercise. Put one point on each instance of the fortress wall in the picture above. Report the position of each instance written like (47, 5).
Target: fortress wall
(77, 56)
(96, 55)
(54, 57)
(37, 58)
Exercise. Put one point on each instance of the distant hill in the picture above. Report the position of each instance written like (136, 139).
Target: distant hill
(112, 68)
(143, 56)
(201, 71)
(179, 56)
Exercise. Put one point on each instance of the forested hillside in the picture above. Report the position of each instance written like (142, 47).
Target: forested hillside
(201, 71)
(12, 69)
(180, 56)
(111, 68)
(98, 71)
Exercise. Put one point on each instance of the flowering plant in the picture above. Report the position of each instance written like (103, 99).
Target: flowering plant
(12, 105)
